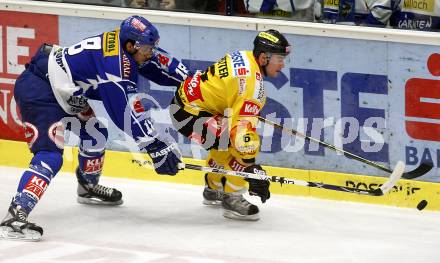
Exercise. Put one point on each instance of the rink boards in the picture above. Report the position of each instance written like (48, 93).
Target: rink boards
(330, 79)
(382, 105)
(407, 193)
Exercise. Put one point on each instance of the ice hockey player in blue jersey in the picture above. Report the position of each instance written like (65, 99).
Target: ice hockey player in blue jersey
(52, 94)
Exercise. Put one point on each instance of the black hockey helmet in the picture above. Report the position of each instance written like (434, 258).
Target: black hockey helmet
(271, 41)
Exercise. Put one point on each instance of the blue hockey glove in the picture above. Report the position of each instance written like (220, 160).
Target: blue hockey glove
(258, 187)
(165, 157)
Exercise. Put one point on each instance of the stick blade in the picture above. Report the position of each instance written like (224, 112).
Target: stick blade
(422, 169)
(394, 177)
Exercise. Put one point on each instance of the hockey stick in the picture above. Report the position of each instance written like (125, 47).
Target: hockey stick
(422, 169)
(385, 188)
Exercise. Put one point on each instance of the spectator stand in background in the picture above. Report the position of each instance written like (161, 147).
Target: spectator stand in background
(116, 3)
(174, 5)
(232, 8)
(170, 5)
(219, 7)
(299, 10)
(354, 12)
(422, 15)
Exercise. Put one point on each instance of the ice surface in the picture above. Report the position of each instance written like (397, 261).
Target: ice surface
(161, 222)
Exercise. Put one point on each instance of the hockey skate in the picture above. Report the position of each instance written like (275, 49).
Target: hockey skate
(16, 227)
(212, 197)
(237, 207)
(97, 194)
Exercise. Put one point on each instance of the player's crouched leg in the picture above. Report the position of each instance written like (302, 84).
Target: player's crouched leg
(237, 207)
(234, 204)
(213, 191)
(214, 183)
(88, 173)
(33, 183)
(245, 144)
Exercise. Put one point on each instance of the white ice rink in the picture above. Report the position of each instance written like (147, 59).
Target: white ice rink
(161, 222)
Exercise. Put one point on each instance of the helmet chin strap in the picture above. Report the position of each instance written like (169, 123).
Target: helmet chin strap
(264, 70)
(268, 55)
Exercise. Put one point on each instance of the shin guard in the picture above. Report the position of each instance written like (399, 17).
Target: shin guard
(35, 180)
(90, 166)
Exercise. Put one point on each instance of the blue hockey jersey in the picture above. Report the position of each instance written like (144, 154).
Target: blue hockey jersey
(99, 68)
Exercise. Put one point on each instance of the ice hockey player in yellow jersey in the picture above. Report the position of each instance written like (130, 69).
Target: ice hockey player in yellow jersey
(218, 108)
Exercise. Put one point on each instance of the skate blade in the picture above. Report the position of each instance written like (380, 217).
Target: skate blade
(96, 201)
(214, 203)
(8, 233)
(234, 215)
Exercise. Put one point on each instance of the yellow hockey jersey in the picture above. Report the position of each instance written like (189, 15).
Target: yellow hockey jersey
(232, 87)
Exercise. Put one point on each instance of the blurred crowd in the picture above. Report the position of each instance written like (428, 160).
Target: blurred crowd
(423, 15)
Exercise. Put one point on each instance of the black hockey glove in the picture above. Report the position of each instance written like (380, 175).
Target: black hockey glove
(165, 157)
(258, 187)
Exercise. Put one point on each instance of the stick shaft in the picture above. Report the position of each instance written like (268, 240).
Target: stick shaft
(283, 180)
(327, 145)
(420, 170)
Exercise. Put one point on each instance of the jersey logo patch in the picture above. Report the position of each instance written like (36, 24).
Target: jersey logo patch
(258, 76)
(249, 108)
(164, 60)
(110, 44)
(241, 72)
(192, 88)
(35, 186)
(241, 86)
(259, 91)
(213, 164)
(126, 66)
(94, 165)
(136, 105)
(240, 64)
(236, 166)
(222, 68)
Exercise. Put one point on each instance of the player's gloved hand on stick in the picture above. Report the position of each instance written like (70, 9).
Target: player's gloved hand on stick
(165, 156)
(258, 187)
